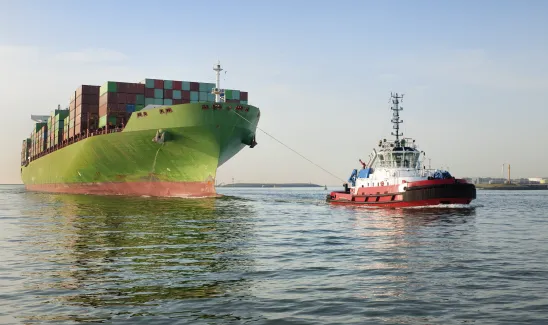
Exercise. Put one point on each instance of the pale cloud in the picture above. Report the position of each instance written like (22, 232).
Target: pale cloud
(92, 55)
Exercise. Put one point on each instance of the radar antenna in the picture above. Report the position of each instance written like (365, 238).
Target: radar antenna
(396, 114)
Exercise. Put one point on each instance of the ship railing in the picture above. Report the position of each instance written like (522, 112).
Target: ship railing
(76, 138)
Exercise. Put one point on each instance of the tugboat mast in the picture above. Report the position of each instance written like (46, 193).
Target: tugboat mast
(396, 114)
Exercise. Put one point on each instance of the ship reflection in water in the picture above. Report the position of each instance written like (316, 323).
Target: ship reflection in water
(130, 252)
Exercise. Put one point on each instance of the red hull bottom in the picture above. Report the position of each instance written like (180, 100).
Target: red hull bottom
(153, 189)
(401, 204)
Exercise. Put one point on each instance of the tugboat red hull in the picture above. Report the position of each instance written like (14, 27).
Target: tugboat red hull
(413, 194)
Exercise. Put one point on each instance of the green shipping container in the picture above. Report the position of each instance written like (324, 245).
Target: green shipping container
(108, 87)
(149, 83)
(243, 102)
(103, 120)
(159, 93)
(236, 94)
(177, 94)
(149, 101)
(139, 107)
(186, 85)
(194, 96)
(168, 84)
(61, 115)
(203, 96)
(168, 101)
(140, 99)
(158, 101)
(210, 97)
(228, 93)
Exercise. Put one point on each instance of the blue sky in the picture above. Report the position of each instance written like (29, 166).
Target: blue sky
(474, 74)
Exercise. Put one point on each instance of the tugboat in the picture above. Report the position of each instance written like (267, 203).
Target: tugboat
(395, 176)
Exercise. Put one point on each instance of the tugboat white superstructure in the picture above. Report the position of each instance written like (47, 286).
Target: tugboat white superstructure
(396, 177)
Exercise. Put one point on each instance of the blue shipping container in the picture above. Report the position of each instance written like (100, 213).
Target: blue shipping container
(168, 101)
(177, 94)
(168, 84)
(210, 97)
(236, 94)
(186, 85)
(203, 96)
(130, 108)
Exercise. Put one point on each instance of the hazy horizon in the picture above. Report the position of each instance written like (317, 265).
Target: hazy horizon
(472, 74)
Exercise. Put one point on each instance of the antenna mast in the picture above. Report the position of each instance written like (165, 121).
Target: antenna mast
(217, 90)
(396, 114)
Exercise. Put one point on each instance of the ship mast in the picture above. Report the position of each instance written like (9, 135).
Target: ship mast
(396, 114)
(217, 90)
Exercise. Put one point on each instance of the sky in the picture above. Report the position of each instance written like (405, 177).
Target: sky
(474, 75)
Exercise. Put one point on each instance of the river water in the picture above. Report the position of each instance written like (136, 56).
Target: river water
(271, 256)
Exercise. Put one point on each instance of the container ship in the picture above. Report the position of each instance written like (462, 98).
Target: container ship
(162, 138)
(395, 176)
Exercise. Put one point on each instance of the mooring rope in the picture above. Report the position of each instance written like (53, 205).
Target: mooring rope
(295, 151)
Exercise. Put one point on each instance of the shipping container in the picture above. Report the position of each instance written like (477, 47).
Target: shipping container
(177, 101)
(88, 90)
(185, 94)
(158, 101)
(194, 96)
(186, 85)
(210, 97)
(243, 95)
(113, 120)
(176, 94)
(203, 96)
(87, 99)
(149, 83)
(158, 84)
(86, 108)
(122, 98)
(139, 107)
(194, 86)
(177, 85)
(108, 87)
(158, 93)
(131, 98)
(168, 101)
(108, 108)
(168, 84)
(130, 108)
(149, 93)
(149, 101)
(228, 93)
(140, 99)
(168, 94)
(243, 102)
(108, 98)
(236, 94)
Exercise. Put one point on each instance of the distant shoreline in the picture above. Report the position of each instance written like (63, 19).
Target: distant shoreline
(510, 187)
(270, 185)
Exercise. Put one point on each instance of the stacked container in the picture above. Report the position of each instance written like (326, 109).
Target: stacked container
(58, 127)
(25, 151)
(86, 110)
(117, 100)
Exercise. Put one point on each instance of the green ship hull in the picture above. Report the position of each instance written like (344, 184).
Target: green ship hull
(168, 153)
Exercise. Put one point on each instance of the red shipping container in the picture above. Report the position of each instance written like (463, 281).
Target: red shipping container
(194, 86)
(108, 98)
(137, 88)
(122, 87)
(122, 98)
(107, 108)
(177, 101)
(149, 93)
(186, 101)
(87, 99)
(87, 90)
(168, 94)
(86, 108)
(177, 85)
(185, 94)
(131, 98)
(158, 84)
(243, 95)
